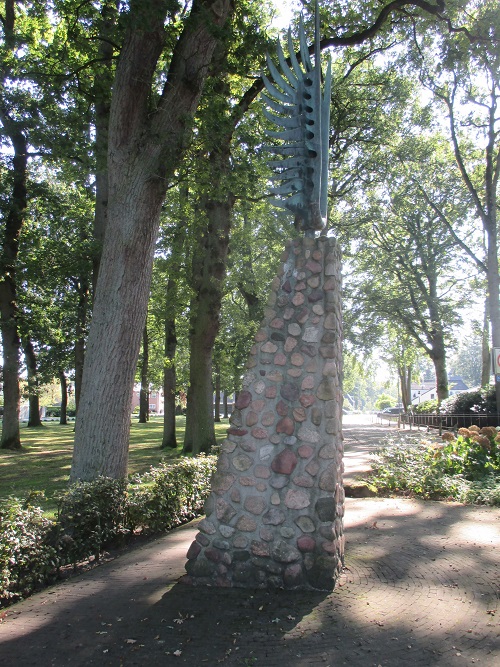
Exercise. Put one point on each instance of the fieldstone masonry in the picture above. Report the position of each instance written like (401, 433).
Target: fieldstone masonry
(274, 517)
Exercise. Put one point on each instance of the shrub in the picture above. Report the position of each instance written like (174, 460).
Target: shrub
(91, 516)
(426, 407)
(171, 494)
(475, 401)
(27, 555)
(463, 469)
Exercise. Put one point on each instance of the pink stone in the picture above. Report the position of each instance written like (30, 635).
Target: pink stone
(300, 286)
(235, 495)
(270, 392)
(313, 468)
(261, 486)
(299, 414)
(269, 347)
(268, 419)
(289, 391)
(193, 551)
(289, 313)
(302, 316)
(259, 433)
(282, 409)
(294, 372)
(298, 360)
(306, 543)
(277, 323)
(285, 462)
(330, 547)
(259, 548)
(330, 284)
(293, 575)
(304, 480)
(236, 431)
(313, 281)
(297, 499)
(307, 382)
(262, 472)
(317, 255)
(305, 451)
(246, 524)
(243, 400)
(314, 267)
(261, 336)
(247, 481)
(258, 405)
(307, 400)
(290, 344)
(254, 504)
(298, 299)
(252, 418)
(285, 425)
(279, 359)
(275, 376)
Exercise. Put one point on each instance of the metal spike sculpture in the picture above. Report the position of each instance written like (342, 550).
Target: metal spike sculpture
(304, 113)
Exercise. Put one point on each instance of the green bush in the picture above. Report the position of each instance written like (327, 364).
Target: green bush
(466, 468)
(475, 401)
(171, 494)
(93, 516)
(27, 555)
(426, 407)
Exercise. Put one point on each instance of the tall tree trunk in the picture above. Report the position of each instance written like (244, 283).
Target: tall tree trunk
(144, 392)
(226, 410)
(485, 347)
(33, 388)
(11, 342)
(169, 373)
(82, 288)
(145, 147)
(63, 417)
(438, 357)
(404, 373)
(217, 396)
(209, 268)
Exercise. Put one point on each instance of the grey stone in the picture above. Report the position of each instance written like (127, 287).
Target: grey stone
(273, 517)
(282, 552)
(325, 509)
(305, 523)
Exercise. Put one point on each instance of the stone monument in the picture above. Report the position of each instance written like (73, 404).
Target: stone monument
(274, 517)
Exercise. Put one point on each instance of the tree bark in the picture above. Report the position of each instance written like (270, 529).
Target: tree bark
(169, 373)
(33, 388)
(485, 348)
(81, 332)
(11, 342)
(217, 396)
(209, 268)
(145, 146)
(144, 392)
(63, 417)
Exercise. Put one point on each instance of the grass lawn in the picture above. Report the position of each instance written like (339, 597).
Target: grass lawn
(45, 462)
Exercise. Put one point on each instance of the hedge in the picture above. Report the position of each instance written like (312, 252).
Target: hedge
(92, 516)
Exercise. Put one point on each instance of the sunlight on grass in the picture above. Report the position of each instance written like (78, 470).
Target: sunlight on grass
(45, 462)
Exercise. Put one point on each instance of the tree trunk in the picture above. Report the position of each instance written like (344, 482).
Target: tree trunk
(145, 147)
(217, 396)
(169, 374)
(209, 268)
(438, 357)
(144, 392)
(33, 388)
(63, 417)
(11, 343)
(493, 302)
(226, 410)
(485, 347)
(82, 288)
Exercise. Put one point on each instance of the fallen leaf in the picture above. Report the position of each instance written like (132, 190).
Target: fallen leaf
(131, 641)
(177, 653)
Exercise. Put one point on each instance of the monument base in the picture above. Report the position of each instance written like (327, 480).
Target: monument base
(274, 517)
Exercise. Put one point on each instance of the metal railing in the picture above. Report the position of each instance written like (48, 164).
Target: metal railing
(449, 422)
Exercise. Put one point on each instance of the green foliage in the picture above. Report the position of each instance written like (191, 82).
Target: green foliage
(466, 469)
(385, 401)
(475, 401)
(93, 516)
(426, 407)
(27, 556)
(169, 495)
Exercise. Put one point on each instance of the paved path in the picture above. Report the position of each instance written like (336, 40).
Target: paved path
(421, 587)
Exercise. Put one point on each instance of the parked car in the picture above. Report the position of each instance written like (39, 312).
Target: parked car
(388, 412)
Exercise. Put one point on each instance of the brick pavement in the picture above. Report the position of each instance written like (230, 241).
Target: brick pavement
(421, 587)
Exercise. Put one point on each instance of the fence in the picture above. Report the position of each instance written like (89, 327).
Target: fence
(450, 422)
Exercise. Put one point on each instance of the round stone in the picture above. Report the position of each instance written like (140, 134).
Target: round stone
(307, 382)
(285, 425)
(277, 323)
(258, 405)
(308, 434)
(299, 414)
(243, 400)
(280, 359)
(306, 524)
(305, 451)
(246, 524)
(259, 433)
(297, 499)
(242, 462)
(268, 419)
(294, 329)
(306, 543)
(254, 504)
(285, 462)
(290, 391)
(297, 359)
(270, 392)
(262, 472)
(294, 372)
(269, 347)
(252, 418)
(298, 299)
(259, 387)
(290, 344)
(282, 552)
(273, 517)
(307, 400)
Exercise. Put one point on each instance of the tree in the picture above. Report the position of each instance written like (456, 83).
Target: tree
(145, 145)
